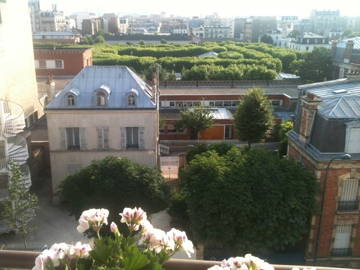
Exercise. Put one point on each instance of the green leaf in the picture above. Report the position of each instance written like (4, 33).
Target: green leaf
(134, 259)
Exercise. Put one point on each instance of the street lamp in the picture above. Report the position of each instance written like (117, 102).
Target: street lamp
(322, 206)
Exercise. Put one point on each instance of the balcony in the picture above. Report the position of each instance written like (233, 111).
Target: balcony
(25, 260)
(341, 252)
(348, 206)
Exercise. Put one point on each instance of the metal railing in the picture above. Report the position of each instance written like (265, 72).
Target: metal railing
(347, 206)
(341, 252)
(26, 259)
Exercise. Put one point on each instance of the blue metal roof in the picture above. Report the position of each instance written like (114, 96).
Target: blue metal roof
(340, 98)
(117, 81)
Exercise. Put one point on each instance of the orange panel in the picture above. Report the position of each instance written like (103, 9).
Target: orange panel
(213, 133)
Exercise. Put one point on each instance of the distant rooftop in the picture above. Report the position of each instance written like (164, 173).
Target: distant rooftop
(116, 81)
(55, 34)
(356, 40)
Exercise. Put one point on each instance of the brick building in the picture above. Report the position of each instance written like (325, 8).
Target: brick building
(61, 61)
(222, 101)
(326, 140)
(346, 57)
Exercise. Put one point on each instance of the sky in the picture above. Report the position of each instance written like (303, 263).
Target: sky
(224, 8)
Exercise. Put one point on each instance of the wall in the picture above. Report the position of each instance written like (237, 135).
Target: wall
(74, 60)
(90, 119)
(17, 77)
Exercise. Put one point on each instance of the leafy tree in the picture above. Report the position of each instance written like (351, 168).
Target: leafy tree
(285, 127)
(19, 210)
(267, 39)
(195, 119)
(114, 183)
(99, 39)
(221, 148)
(294, 34)
(243, 200)
(141, 43)
(163, 41)
(317, 66)
(253, 117)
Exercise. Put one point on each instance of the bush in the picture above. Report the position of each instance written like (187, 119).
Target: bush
(114, 183)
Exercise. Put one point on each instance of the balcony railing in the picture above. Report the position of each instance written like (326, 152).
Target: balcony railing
(347, 206)
(341, 252)
(26, 259)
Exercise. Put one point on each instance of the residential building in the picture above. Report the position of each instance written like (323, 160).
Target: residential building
(308, 42)
(91, 26)
(61, 61)
(326, 140)
(20, 106)
(346, 57)
(325, 21)
(52, 21)
(218, 32)
(123, 25)
(104, 110)
(34, 6)
(262, 25)
(56, 37)
(111, 23)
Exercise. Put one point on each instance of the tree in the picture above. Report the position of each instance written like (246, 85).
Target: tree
(285, 127)
(19, 210)
(316, 66)
(267, 39)
(294, 34)
(163, 41)
(141, 43)
(253, 117)
(195, 119)
(114, 183)
(243, 200)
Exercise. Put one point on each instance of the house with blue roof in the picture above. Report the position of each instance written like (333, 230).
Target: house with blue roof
(104, 110)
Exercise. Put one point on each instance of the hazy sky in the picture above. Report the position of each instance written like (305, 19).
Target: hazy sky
(225, 8)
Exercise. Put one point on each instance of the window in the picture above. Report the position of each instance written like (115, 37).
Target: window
(352, 138)
(218, 103)
(276, 103)
(100, 99)
(59, 64)
(227, 103)
(131, 100)
(132, 137)
(348, 195)
(103, 138)
(72, 139)
(42, 63)
(71, 100)
(228, 132)
(342, 240)
(172, 104)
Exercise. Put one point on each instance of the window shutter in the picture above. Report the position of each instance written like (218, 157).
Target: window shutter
(123, 138)
(82, 139)
(342, 236)
(106, 138)
(141, 138)
(62, 138)
(99, 138)
(349, 190)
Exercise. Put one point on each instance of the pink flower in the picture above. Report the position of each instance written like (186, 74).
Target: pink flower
(114, 228)
(93, 218)
(181, 241)
(79, 250)
(43, 259)
(157, 240)
(243, 263)
(133, 217)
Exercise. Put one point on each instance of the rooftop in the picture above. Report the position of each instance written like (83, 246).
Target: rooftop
(356, 40)
(117, 82)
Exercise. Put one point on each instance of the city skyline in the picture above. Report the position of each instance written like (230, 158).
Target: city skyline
(202, 8)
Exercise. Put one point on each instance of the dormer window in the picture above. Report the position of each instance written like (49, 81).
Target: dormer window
(131, 100)
(101, 99)
(71, 100)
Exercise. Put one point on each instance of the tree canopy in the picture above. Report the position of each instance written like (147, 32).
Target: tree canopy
(243, 200)
(195, 119)
(253, 117)
(114, 183)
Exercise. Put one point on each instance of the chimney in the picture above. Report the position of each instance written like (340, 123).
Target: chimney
(309, 106)
(333, 48)
(348, 51)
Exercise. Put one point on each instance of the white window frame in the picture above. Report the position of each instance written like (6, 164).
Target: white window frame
(59, 61)
(130, 142)
(103, 138)
(71, 131)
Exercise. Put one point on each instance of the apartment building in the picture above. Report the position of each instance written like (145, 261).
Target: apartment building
(346, 57)
(61, 61)
(104, 110)
(326, 140)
